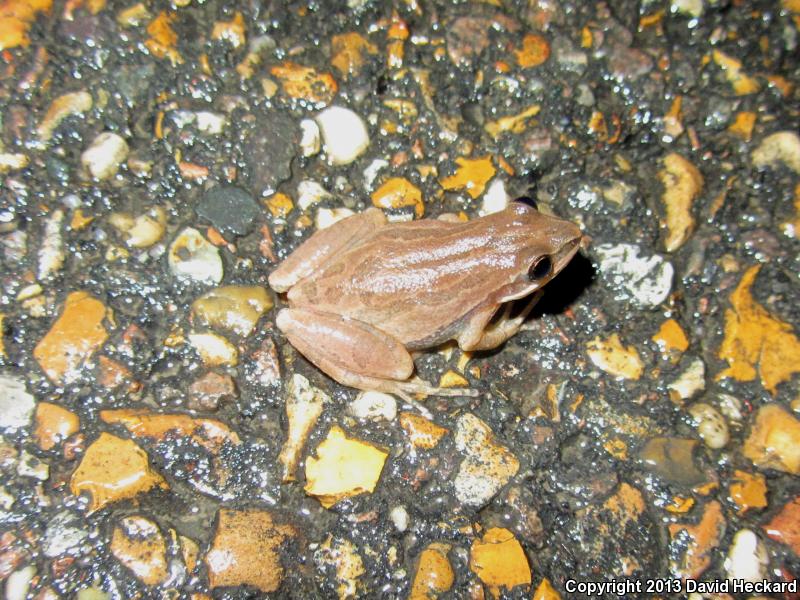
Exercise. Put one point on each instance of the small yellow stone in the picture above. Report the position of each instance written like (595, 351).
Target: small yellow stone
(232, 31)
(471, 176)
(781, 147)
(233, 308)
(344, 467)
(434, 574)
(73, 338)
(190, 551)
(748, 490)
(683, 183)
(138, 544)
(16, 17)
(348, 51)
(499, 561)
(742, 126)
(113, 469)
(406, 109)
(772, 443)
(742, 83)
(512, 123)
(163, 38)
(612, 357)
(304, 83)
(280, 205)
(133, 16)
(616, 448)
(343, 556)
(586, 38)
(54, 424)
(756, 343)
(398, 192)
(699, 541)
(140, 423)
(534, 52)
(247, 550)
(672, 120)
(62, 107)
(671, 338)
(680, 505)
(422, 433)
(546, 591)
(79, 220)
(453, 379)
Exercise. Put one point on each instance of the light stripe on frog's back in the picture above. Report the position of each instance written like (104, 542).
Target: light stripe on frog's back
(423, 278)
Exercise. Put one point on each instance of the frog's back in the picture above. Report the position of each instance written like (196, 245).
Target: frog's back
(416, 281)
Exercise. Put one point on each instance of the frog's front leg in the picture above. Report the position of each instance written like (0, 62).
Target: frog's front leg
(477, 336)
(316, 250)
(355, 353)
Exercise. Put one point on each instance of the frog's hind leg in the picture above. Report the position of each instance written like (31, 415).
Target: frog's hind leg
(316, 250)
(355, 353)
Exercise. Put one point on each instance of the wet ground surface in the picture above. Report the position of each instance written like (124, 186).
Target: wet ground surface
(160, 438)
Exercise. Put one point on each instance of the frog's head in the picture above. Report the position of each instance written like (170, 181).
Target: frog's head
(544, 245)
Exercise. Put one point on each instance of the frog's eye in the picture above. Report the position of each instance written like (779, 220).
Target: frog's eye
(527, 200)
(540, 268)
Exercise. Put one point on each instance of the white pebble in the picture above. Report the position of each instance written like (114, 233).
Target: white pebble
(148, 228)
(214, 350)
(645, 280)
(94, 592)
(781, 147)
(373, 405)
(64, 535)
(6, 501)
(310, 137)
(142, 231)
(30, 466)
(310, 192)
(328, 216)
(711, 425)
(12, 162)
(51, 254)
(731, 407)
(495, 199)
(16, 404)
(690, 382)
(192, 257)
(29, 291)
(371, 172)
(19, 582)
(399, 516)
(747, 557)
(344, 134)
(693, 8)
(105, 154)
(210, 122)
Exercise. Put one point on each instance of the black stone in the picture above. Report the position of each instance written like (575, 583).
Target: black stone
(269, 151)
(230, 209)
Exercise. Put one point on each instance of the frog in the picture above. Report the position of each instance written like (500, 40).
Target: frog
(365, 295)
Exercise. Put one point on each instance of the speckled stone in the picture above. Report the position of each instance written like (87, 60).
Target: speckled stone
(230, 209)
(269, 151)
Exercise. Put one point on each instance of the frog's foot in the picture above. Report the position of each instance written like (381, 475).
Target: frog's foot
(505, 327)
(405, 389)
(417, 386)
